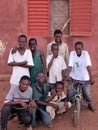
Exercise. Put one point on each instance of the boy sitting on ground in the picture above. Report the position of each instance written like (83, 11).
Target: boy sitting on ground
(58, 98)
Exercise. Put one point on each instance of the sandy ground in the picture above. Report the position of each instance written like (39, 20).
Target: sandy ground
(88, 119)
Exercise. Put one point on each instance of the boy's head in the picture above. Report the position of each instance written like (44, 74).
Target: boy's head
(32, 44)
(22, 40)
(40, 77)
(79, 48)
(58, 36)
(55, 49)
(59, 86)
(24, 83)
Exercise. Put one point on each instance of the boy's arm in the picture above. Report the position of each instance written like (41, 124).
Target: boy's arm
(51, 96)
(47, 104)
(63, 75)
(33, 104)
(43, 61)
(19, 102)
(51, 62)
(67, 55)
(14, 63)
(92, 81)
(68, 73)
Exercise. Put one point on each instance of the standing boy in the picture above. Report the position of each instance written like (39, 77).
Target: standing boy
(80, 69)
(63, 48)
(20, 60)
(56, 65)
(18, 100)
(38, 58)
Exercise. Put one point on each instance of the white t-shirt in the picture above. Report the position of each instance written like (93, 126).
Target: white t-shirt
(18, 71)
(79, 65)
(15, 95)
(55, 72)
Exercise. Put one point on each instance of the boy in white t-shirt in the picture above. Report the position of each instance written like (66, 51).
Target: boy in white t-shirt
(56, 65)
(21, 60)
(19, 101)
(80, 69)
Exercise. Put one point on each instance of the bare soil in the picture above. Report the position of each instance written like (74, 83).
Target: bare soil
(88, 119)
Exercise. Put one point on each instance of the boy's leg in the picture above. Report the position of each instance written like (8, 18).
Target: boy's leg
(87, 94)
(51, 111)
(5, 113)
(45, 117)
(33, 116)
(25, 117)
(70, 91)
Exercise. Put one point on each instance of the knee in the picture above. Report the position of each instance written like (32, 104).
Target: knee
(6, 109)
(27, 119)
(47, 120)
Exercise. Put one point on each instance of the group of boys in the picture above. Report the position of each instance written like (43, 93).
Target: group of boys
(30, 95)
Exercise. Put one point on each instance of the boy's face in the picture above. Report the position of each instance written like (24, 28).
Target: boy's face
(55, 51)
(59, 88)
(33, 45)
(58, 38)
(78, 49)
(24, 84)
(41, 78)
(22, 42)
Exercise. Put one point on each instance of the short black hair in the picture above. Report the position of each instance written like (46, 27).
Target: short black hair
(22, 36)
(32, 39)
(54, 44)
(79, 43)
(39, 73)
(57, 31)
(25, 77)
(59, 83)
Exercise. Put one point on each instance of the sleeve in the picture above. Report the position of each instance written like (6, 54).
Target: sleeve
(66, 54)
(48, 60)
(64, 66)
(71, 60)
(30, 58)
(88, 60)
(31, 93)
(9, 96)
(10, 58)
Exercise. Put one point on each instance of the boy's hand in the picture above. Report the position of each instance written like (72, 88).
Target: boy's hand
(66, 105)
(23, 104)
(14, 50)
(59, 93)
(68, 78)
(92, 81)
(53, 92)
(33, 104)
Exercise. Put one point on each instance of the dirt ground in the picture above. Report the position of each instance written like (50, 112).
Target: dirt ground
(88, 119)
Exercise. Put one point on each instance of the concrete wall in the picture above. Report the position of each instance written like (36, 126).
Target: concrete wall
(13, 22)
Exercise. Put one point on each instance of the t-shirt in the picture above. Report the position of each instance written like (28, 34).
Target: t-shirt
(18, 71)
(15, 94)
(63, 51)
(39, 94)
(79, 65)
(57, 98)
(55, 72)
